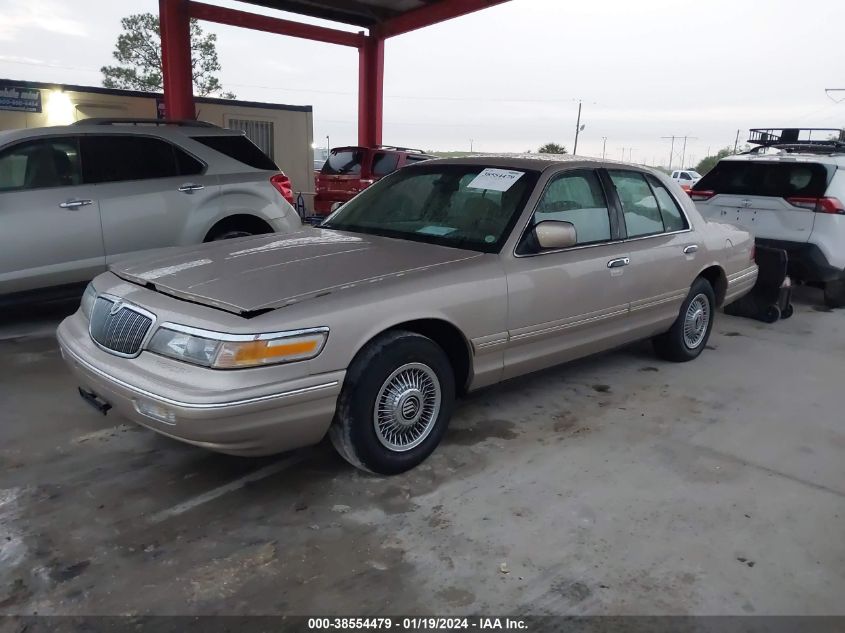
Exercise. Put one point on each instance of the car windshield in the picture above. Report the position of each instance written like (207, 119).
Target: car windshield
(464, 206)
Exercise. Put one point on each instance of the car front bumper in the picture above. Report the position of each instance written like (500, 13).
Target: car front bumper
(193, 404)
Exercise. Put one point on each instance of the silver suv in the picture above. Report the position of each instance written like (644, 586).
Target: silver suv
(789, 192)
(75, 198)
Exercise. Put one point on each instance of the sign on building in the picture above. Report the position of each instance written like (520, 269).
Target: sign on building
(19, 98)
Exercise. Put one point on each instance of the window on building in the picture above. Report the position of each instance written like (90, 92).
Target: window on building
(259, 132)
(39, 164)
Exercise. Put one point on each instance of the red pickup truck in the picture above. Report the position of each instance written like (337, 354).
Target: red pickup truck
(350, 170)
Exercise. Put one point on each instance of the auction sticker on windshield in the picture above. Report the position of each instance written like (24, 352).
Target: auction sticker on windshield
(495, 179)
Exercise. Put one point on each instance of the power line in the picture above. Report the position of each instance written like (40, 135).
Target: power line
(672, 148)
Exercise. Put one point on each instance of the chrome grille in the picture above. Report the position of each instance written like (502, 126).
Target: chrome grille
(121, 331)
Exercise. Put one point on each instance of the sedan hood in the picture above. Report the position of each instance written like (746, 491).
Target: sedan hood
(254, 274)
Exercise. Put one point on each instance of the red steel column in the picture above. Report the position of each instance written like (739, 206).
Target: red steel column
(370, 91)
(176, 59)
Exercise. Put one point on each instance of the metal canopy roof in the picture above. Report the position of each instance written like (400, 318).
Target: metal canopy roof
(364, 13)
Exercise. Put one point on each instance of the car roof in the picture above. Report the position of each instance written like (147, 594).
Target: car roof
(537, 162)
(163, 131)
(791, 157)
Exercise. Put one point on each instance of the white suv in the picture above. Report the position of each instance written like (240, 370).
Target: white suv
(75, 198)
(789, 193)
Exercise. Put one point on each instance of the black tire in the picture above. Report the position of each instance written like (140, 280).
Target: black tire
(834, 294)
(787, 312)
(770, 314)
(229, 235)
(673, 344)
(353, 431)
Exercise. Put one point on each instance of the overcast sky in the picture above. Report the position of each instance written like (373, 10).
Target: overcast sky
(509, 77)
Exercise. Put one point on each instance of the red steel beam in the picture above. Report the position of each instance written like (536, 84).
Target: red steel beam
(176, 59)
(432, 14)
(370, 91)
(257, 22)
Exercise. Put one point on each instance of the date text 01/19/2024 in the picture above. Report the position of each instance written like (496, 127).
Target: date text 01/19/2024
(417, 623)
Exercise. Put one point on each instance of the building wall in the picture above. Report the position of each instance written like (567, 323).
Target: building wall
(292, 125)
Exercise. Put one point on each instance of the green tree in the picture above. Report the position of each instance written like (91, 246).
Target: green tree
(138, 53)
(552, 148)
(709, 162)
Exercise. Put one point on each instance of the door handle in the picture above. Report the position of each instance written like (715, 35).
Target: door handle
(189, 187)
(618, 263)
(692, 248)
(74, 204)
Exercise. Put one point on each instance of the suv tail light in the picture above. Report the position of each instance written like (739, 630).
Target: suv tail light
(819, 205)
(283, 186)
(700, 196)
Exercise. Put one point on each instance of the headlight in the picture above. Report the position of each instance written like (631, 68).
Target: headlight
(223, 351)
(88, 299)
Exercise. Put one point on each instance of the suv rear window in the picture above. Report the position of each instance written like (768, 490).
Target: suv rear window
(240, 148)
(777, 180)
(344, 162)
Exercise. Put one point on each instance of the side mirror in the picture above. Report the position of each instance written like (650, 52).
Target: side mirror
(555, 234)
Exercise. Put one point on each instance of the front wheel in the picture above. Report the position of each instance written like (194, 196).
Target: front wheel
(396, 403)
(691, 330)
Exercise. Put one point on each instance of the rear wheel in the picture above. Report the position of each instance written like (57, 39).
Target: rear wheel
(395, 405)
(229, 235)
(690, 332)
(834, 294)
(241, 225)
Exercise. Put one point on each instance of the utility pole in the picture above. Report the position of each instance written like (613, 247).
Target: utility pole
(672, 148)
(470, 146)
(631, 154)
(684, 152)
(623, 154)
(736, 142)
(577, 128)
(328, 145)
(603, 146)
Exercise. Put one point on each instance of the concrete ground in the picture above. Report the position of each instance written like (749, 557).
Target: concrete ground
(615, 485)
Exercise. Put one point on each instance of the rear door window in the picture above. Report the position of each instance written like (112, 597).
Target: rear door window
(766, 178)
(116, 158)
(346, 162)
(40, 164)
(384, 163)
(240, 148)
(670, 211)
(639, 206)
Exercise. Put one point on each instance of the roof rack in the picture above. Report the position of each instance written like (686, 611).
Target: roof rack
(129, 121)
(828, 140)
